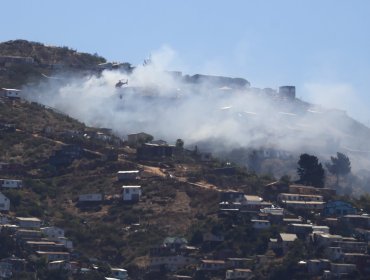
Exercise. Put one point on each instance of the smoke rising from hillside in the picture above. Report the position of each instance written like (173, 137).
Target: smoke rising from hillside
(213, 115)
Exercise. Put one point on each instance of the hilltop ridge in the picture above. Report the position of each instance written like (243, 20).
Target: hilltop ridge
(49, 55)
(263, 119)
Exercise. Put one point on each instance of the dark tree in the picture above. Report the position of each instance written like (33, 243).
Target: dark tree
(179, 144)
(340, 165)
(310, 171)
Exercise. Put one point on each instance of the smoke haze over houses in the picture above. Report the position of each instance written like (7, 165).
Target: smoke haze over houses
(216, 113)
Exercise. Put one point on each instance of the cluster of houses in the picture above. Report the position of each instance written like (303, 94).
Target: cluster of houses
(148, 149)
(334, 229)
(175, 254)
(48, 242)
(8, 184)
(311, 215)
(130, 191)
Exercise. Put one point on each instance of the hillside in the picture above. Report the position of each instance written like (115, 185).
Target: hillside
(60, 159)
(169, 206)
(23, 62)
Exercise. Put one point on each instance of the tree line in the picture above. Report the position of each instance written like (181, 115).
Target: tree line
(311, 171)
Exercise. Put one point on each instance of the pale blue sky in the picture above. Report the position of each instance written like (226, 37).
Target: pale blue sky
(321, 46)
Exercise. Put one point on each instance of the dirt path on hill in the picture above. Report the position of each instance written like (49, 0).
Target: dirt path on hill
(152, 170)
(156, 171)
(205, 185)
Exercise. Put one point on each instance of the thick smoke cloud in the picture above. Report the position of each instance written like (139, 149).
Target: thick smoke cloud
(214, 115)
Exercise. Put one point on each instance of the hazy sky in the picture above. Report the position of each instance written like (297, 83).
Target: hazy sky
(321, 47)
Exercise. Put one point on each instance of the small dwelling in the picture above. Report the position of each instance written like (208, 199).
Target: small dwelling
(30, 222)
(128, 175)
(11, 93)
(131, 193)
(285, 240)
(4, 203)
(53, 232)
(90, 197)
(11, 183)
(338, 208)
(138, 138)
(54, 256)
(211, 265)
(119, 273)
(261, 224)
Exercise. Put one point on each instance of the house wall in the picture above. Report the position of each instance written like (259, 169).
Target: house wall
(305, 205)
(29, 224)
(212, 266)
(238, 274)
(11, 184)
(338, 208)
(299, 197)
(54, 256)
(352, 247)
(131, 194)
(257, 224)
(93, 197)
(53, 232)
(133, 139)
(127, 175)
(13, 94)
(66, 242)
(339, 268)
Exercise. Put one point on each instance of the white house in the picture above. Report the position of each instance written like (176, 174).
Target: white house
(252, 200)
(31, 222)
(90, 197)
(11, 183)
(53, 232)
(66, 242)
(131, 193)
(57, 234)
(273, 210)
(4, 203)
(11, 93)
(283, 197)
(302, 201)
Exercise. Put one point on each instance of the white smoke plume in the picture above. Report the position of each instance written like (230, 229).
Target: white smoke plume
(213, 114)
